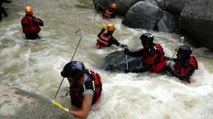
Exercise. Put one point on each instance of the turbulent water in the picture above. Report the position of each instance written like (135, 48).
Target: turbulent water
(35, 66)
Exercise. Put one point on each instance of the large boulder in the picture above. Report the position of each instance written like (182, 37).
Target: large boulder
(143, 15)
(19, 104)
(161, 3)
(116, 61)
(175, 6)
(168, 23)
(197, 19)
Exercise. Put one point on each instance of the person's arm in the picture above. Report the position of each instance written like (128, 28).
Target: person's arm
(174, 73)
(38, 21)
(133, 53)
(189, 74)
(169, 58)
(86, 106)
(115, 42)
(24, 22)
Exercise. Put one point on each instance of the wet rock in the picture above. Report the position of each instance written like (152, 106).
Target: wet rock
(143, 15)
(168, 23)
(19, 104)
(197, 19)
(175, 6)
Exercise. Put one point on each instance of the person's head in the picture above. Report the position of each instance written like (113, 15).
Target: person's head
(73, 70)
(113, 6)
(184, 52)
(28, 10)
(147, 40)
(110, 27)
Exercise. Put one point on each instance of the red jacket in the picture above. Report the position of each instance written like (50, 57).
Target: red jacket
(76, 90)
(30, 24)
(108, 14)
(103, 41)
(157, 60)
(184, 70)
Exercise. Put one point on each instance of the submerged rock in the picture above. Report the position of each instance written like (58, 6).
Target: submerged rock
(116, 61)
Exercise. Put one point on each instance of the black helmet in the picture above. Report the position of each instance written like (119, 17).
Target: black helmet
(74, 69)
(185, 50)
(147, 38)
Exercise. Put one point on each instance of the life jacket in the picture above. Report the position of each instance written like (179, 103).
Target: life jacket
(108, 14)
(159, 63)
(76, 91)
(103, 40)
(183, 69)
(30, 24)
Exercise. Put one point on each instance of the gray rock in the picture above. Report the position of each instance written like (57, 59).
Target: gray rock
(175, 6)
(168, 23)
(143, 15)
(18, 104)
(197, 19)
(161, 3)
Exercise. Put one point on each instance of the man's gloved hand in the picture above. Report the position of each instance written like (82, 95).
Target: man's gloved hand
(126, 51)
(168, 58)
(168, 68)
(127, 71)
(123, 46)
(104, 26)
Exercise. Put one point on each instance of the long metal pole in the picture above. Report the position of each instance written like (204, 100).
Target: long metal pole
(177, 47)
(127, 66)
(71, 60)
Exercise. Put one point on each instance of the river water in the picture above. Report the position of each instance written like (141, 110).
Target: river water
(35, 66)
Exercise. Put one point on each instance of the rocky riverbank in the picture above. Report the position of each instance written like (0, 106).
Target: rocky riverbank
(193, 16)
(19, 104)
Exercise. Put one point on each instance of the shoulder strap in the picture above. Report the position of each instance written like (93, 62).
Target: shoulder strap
(89, 85)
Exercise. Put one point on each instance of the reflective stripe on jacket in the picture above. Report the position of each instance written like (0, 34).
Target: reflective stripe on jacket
(108, 14)
(103, 40)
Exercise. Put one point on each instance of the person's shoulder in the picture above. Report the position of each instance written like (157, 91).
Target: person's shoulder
(25, 17)
(157, 45)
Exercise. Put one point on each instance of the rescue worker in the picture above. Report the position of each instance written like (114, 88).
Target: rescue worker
(30, 24)
(106, 39)
(152, 55)
(2, 10)
(109, 13)
(85, 87)
(185, 64)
